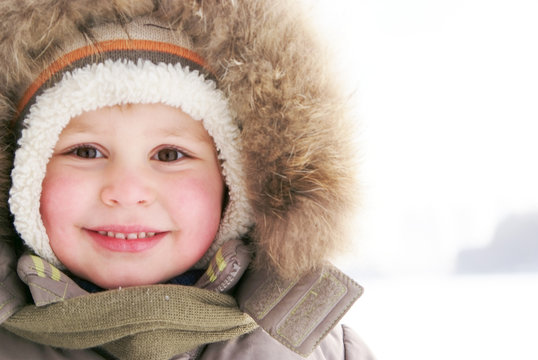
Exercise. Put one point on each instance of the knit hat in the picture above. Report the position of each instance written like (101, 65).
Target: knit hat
(142, 62)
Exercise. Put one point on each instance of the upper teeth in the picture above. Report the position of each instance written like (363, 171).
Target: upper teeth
(129, 236)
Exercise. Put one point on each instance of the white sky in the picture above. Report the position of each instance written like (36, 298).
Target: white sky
(448, 101)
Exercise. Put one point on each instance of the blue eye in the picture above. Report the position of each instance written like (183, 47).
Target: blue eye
(86, 152)
(168, 155)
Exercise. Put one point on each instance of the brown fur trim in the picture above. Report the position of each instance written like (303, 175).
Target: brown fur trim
(296, 132)
(7, 231)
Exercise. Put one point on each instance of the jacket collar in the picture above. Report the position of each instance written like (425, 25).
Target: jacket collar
(298, 312)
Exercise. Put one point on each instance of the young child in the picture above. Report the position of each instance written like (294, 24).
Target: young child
(178, 176)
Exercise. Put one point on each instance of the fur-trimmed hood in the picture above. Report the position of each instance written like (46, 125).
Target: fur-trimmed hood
(295, 131)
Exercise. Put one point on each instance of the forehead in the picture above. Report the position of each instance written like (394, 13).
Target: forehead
(151, 119)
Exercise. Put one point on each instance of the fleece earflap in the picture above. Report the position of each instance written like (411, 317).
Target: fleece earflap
(143, 62)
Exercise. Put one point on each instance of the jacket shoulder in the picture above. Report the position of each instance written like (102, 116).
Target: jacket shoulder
(340, 343)
(354, 347)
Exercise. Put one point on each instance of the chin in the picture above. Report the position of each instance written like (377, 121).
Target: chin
(126, 281)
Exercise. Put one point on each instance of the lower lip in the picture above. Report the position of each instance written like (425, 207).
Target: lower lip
(125, 245)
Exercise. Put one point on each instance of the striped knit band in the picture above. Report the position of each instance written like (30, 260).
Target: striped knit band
(124, 49)
(121, 68)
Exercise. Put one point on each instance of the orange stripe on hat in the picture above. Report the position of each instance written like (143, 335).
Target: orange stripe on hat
(104, 47)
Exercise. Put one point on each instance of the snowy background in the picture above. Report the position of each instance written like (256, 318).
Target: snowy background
(447, 237)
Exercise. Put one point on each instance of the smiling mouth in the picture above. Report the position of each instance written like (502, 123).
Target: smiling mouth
(128, 240)
(127, 236)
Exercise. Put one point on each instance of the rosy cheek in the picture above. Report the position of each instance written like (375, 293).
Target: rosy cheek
(201, 200)
(63, 198)
(58, 195)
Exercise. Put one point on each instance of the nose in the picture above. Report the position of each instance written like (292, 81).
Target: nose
(126, 187)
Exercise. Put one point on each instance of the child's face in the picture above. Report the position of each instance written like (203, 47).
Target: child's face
(132, 195)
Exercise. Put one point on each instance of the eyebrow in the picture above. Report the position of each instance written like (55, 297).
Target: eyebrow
(184, 132)
(79, 127)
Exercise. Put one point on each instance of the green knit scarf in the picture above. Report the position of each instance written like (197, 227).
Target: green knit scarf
(146, 322)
